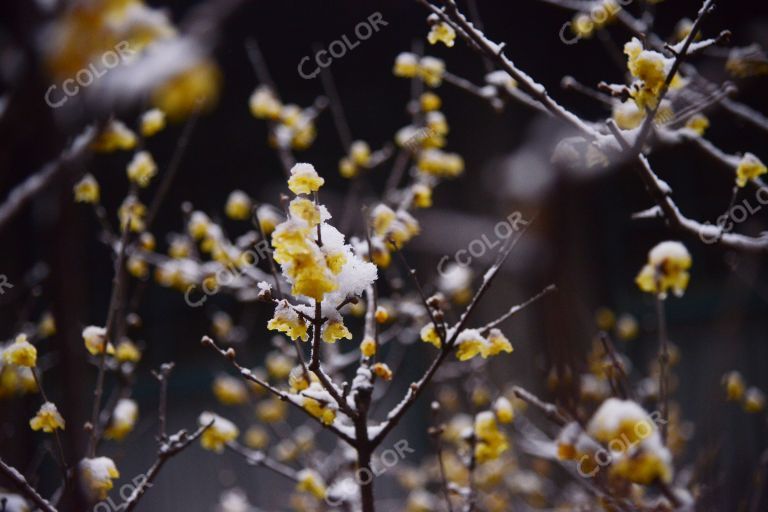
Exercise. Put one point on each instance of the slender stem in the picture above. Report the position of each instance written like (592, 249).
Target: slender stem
(56, 437)
(663, 367)
(24, 487)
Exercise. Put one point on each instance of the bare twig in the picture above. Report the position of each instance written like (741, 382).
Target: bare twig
(18, 480)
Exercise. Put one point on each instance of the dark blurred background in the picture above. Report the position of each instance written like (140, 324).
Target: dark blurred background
(583, 239)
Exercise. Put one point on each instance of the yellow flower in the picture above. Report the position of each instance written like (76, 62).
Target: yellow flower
(643, 458)
(272, 410)
(754, 401)
(264, 104)
(360, 153)
(268, 219)
(238, 205)
(127, 352)
(152, 121)
(381, 315)
(650, 67)
(304, 179)
(382, 371)
(368, 347)
(47, 325)
(87, 190)
(667, 268)
(734, 386)
(335, 261)
(113, 137)
(304, 209)
(47, 419)
(431, 71)
(347, 168)
(21, 353)
(256, 438)
(123, 419)
(582, 25)
(490, 441)
(322, 410)
(221, 432)
(131, 214)
(230, 390)
(191, 90)
(422, 195)
(440, 164)
(278, 365)
(335, 330)
(96, 341)
(310, 481)
(429, 334)
(627, 114)
(96, 476)
(496, 344)
(504, 410)
(382, 217)
(698, 124)
(627, 327)
(442, 32)
(137, 267)
(469, 344)
(406, 65)
(750, 167)
(429, 101)
(299, 380)
(288, 321)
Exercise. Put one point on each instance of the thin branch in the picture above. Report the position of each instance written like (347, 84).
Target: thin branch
(18, 480)
(168, 449)
(25, 191)
(551, 411)
(230, 355)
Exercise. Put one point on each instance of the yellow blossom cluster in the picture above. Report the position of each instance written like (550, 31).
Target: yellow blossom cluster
(470, 343)
(650, 69)
(293, 127)
(359, 157)
(429, 69)
(752, 399)
(390, 227)
(490, 442)
(97, 36)
(601, 13)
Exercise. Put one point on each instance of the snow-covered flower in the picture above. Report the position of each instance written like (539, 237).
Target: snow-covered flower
(95, 339)
(309, 480)
(87, 190)
(152, 122)
(749, 168)
(264, 104)
(124, 418)
(238, 205)
(490, 441)
(21, 353)
(96, 477)
(304, 179)
(442, 32)
(221, 432)
(667, 268)
(48, 419)
(406, 65)
(229, 390)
